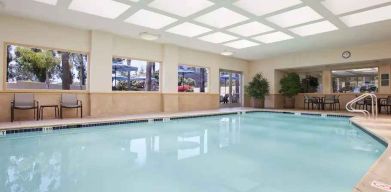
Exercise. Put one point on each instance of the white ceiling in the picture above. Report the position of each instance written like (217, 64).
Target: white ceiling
(271, 28)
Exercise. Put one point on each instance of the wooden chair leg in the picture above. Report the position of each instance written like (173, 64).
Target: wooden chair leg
(81, 112)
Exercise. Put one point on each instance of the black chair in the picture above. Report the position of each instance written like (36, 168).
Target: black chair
(24, 101)
(310, 101)
(360, 104)
(331, 101)
(69, 101)
(386, 103)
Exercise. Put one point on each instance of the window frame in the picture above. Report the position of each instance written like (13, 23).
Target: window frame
(351, 68)
(198, 66)
(5, 69)
(141, 59)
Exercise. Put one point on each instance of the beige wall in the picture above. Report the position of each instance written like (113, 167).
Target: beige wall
(374, 54)
(101, 46)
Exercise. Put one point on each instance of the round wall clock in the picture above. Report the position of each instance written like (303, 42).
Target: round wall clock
(346, 54)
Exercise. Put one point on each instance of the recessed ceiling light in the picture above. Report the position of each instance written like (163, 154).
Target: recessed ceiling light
(188, 29)
(149, 36)
(273, 37)
(314, 28)
(135, 0)
(104, 8)
(221, 17)
(263, 7)
(241, 44)
(227, 53)
(345, 6)
(49, 2)
(184, 8)
(150, 19)
(250, 29)
(371, 16)
(295, 17)
(218, 37)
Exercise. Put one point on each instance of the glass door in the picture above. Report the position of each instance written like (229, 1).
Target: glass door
(230, 88)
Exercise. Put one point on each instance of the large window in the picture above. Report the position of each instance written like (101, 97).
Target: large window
(230, 88)
(38, 68)
(355, 80)
(135, 75)
(192, 79)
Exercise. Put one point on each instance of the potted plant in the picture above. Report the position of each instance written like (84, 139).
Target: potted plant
(257, 89)
(309, 84)
(290, 86)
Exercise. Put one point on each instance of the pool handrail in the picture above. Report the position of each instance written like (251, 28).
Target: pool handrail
(367, 114)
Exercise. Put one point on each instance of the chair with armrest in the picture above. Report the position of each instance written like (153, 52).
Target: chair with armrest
(70, 101)
(24, 101)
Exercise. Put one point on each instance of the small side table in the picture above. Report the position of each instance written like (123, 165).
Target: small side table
(56, 110)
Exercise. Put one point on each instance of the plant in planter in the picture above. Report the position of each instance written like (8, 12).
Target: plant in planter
(257, 89)
(309, 84)
(290, 86)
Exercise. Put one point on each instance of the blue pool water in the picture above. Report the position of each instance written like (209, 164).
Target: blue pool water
(254, 152)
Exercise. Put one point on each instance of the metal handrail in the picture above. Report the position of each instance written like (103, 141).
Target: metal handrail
(367, 114)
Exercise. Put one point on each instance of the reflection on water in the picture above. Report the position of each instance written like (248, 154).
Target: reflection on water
(152, 157)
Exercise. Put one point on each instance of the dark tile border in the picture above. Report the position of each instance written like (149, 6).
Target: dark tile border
(378, 139)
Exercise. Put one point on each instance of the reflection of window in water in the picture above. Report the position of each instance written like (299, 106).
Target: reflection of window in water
(206, 141)
(139, 147)
(224, 132)
(189, 146)
(155, 144)
(229, 131)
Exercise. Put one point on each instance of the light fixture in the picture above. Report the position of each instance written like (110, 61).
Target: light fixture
(273, 37)
(221, 17)
(263, 7)
(103, 8)
(149, 36)
(295, 17)
(241, 44)
(218, 37)
(345, 6)
(188, 29)
(150, 19)
(227, 53)
(250, 29)
(365, 17)
(183, 9)
(49, 2)
(314, 28)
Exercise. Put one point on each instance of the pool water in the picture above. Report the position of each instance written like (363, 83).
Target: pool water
(264, 152)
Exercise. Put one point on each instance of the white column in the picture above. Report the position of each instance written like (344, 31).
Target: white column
(100, 62)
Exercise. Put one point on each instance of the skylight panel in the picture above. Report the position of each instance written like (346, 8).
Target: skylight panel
(295, 17)
(188, 29)
(250, 29)
(273, 37)
(103, 8)
(183, 9)
(49, 2)
(150, 19)
(221, 18)
(315, 28)
(263, 7)
(241, 44)
(366, 17)
(218, 37)
(344, 6)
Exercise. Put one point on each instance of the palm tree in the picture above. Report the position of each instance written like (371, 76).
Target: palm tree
(66, 76)
(148, 76)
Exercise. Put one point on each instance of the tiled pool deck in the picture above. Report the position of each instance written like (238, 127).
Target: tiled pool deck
(378, 175)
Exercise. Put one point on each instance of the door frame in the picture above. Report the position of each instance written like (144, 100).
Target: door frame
(241, 94)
